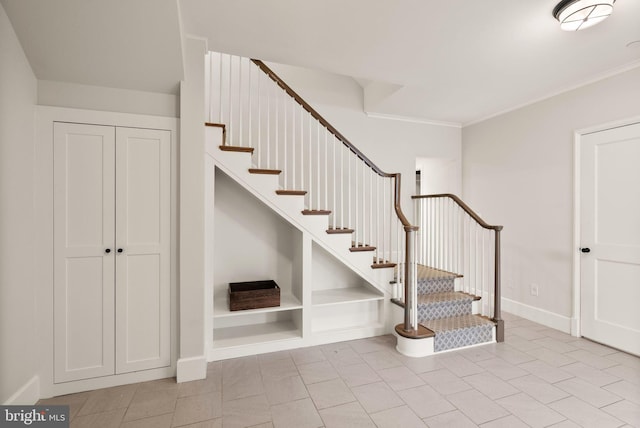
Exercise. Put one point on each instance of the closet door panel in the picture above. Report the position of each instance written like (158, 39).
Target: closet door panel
(83, 270)
(142, 232)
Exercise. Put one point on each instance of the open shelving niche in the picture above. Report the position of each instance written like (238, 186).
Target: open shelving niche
(322, 300)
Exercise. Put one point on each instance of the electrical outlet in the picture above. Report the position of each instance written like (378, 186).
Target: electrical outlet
(534, 290)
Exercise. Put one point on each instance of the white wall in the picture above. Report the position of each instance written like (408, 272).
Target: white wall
(62, 94)
(252, 242)
(518, 171)
(392, 145)
(18, 335)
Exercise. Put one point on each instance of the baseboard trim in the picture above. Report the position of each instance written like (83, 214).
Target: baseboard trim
(541, 316)
(27, 395)
(193, 368)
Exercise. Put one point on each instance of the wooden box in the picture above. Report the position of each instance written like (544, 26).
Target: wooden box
(253, 295)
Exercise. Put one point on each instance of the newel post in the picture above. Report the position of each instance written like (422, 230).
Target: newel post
(410, 282)
(497, 315)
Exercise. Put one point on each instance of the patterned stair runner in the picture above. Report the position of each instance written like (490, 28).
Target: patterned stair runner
(448, 313)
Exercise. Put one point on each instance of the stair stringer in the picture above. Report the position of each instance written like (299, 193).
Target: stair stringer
(236, 166)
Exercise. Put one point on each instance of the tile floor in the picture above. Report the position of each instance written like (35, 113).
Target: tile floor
(539, 377)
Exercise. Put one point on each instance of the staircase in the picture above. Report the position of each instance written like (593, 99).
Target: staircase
(265, 137)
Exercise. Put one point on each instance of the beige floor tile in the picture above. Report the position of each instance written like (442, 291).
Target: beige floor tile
(398, 417)
(425, 401)
(379, 360)
(553, 358)
(556, 345)
(198, 408)
(74, 401)
(506, 422)
(584, 414)
(625, 410)
(245, 412)
(307, 355)
(624, 389)
(241, 378)
(590, 374)
(161, 421)
(530, 411)
(151, 402)
(285, 389)
(477, 406)
(502, 369)
(592, 359)
(274, 356)
(376, 397)
(445, 382)
(343, 356)
(478, 353)
(588, 392)
(421, 365)
(627, 373)
(399, 378)
(491, 385)
(278, 369)
(296, 414)
(460, 366)
(358, 374)
(317, 372)
(525, 333)
(546, 372)
(595, 348)
(565, 424)
(165, 384)
(212, 423)
(109, 419)
(449, 420)
(373, 344)
(107, 399)
(520, 344)
(350, 415)
(330, 393)
(196, 387)
(537, 388)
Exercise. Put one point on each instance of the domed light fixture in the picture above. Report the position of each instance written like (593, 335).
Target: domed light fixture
(577, 15)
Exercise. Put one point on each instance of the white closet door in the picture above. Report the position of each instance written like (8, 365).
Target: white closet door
(83, 269)
(143, 249)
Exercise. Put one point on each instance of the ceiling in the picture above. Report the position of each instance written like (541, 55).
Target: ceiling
(453, 61)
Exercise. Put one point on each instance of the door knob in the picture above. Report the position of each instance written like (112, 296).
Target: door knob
(585, 250)
(120, 250)
(108, 250)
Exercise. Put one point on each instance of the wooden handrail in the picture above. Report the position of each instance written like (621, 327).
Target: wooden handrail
(398, 209)
(462, 205)
(497, 280)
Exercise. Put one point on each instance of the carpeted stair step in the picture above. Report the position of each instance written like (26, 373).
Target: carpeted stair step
(456, 332)
(432, 280)
(444, 305)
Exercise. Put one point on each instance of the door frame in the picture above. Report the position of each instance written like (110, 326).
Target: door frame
(43, 253)
(577, 140)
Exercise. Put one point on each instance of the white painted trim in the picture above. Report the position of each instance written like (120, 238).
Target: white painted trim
(28, 394)
(540, 316)
(577, 136)
(45, 116)
(401, 118)
(192, 368)
(602, 76)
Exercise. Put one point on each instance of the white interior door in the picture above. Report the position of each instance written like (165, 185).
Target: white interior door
(610, 229)
(143, 249)
(84, 254)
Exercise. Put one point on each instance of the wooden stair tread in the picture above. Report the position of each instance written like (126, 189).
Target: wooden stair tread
(316, 212)
(339, 230)
(238, 149)
(421, 333)
(291, 192)
(361, 247)
(264, 171)
(381, 265)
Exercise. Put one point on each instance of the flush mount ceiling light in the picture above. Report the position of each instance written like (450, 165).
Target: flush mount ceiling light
(577, 15)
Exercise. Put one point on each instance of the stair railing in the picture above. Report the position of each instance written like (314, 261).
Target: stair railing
(257, 109)
(453, 238)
